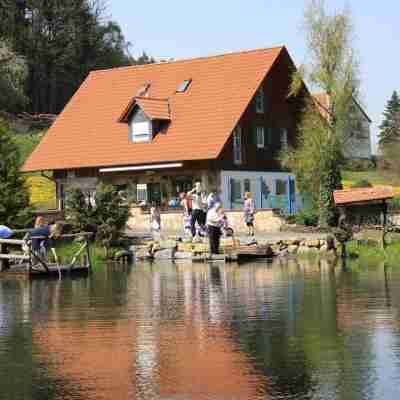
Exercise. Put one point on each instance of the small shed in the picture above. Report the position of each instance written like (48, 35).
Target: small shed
(364, 207)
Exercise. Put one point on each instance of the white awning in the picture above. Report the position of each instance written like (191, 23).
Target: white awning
(141, 167)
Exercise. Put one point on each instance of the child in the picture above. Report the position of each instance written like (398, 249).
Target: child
(155, 218)
(249, 211)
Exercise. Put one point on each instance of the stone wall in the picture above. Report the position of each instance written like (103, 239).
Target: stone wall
(171, 221)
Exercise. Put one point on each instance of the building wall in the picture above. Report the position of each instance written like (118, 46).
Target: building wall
(279, 112)
(358, 145)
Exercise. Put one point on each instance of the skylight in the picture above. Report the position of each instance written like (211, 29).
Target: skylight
(182, 87)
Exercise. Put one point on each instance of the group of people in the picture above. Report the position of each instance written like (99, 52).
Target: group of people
(204, 214)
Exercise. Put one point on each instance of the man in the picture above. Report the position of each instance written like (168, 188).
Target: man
(199, 202)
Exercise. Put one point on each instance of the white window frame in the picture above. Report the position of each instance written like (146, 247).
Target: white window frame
(141, 131)
(260, 133)
(141, 192)
(237, 146)
(259, 100)
(284, 137)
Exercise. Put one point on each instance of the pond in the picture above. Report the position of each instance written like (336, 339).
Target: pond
(284, 330)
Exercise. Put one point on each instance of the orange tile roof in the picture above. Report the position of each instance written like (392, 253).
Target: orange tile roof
(87, 133)
(359, 195)
(154, 108)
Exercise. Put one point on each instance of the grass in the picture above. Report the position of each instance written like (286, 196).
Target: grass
(369, 254)
(66, 251)
(375, 176)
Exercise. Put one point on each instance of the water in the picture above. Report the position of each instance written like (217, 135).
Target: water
(286, 330)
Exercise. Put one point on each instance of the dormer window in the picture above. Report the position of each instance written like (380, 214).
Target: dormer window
(145, 117)
(259, 100)
(182, 87)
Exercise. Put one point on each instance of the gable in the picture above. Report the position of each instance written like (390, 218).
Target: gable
(88, 134)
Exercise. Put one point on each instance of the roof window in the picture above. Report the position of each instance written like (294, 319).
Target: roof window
(182, 87)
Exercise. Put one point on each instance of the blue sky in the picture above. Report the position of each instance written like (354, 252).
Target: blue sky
(183, 29)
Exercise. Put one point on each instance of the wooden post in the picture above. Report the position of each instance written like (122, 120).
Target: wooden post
(384, 228)
(88, 254)
(4, 263)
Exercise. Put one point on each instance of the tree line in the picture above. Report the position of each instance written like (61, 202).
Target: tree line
(47, 48)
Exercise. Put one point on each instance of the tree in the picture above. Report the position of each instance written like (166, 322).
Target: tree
(105, 211)
(14, 200)
(12, 77)
(62, 41)
(318, 158)
(390, 129)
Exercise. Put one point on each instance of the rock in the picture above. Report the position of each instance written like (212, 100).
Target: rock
(312, 243)
(182, 255)
(291, 242)
(166, 254)
(293, 249)
(324, 248)
(185, 247)
(201, 248)
(142, 253)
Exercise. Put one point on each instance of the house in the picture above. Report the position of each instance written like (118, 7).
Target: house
(357, 145)
(158, 128)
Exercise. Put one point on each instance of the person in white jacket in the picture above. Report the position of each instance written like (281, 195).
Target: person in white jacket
(215, 219)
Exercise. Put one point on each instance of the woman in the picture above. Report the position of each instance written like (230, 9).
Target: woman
(249, 211)
(215, 219)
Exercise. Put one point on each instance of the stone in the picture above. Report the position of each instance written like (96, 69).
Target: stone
(201, 248)
(185, 247)
(312, 243)
(228, 242)
(142, 253)
(166, 254)
(291, 242)
(182, 255)
(324, 248)
(293, 249)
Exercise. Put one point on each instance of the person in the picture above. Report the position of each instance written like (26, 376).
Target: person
(155, 218)
(249, 211)
(186, 203)
(215, 219)
(211, 200)
(199, 201)
(43, 235)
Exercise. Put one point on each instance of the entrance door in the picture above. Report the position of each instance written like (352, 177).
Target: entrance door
(154, 192)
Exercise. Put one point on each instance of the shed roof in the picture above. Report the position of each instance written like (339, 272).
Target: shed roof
(362, 195)
(88, 133)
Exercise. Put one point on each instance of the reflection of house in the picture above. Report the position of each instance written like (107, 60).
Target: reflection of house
(358, 143)
(160, 127)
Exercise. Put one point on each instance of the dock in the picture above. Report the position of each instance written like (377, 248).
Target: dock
(17, 257)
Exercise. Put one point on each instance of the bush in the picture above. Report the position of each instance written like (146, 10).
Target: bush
(306, 218)
(362, 183)
(395, 204)
(360, 165)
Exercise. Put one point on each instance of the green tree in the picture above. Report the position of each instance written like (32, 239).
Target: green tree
(12, 77)
(14, 200)
(61, 41)
(318, 158)
(105, 210)
(389, 128)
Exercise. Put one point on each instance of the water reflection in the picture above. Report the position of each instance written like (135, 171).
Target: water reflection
(285, 330)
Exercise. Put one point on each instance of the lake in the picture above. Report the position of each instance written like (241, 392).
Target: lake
(284, 330)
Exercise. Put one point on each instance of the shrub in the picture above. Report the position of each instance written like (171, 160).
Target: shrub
(362, 183)
(105, 211)
(360, 165)
(306, 218)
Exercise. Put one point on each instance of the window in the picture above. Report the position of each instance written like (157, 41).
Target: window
(284, 137)
(236, 194)
(260, 137)
(247, 185)
(281, 187)
(260, 101)
(237, 145)
(140, 131)
(141, 192)
(182, 87)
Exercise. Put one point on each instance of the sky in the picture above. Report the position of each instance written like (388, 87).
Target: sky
(184, 29)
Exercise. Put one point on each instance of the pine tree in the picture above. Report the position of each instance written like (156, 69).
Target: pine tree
(390, 130)
(15, 211)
